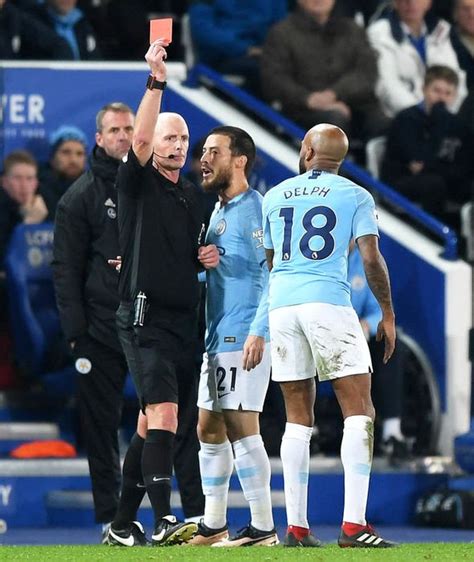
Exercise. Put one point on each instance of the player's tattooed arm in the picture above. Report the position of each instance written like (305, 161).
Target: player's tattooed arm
(377, 277)
(376, 271)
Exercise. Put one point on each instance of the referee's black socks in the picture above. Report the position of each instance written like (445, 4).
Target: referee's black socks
(133, 488)
(157, 468)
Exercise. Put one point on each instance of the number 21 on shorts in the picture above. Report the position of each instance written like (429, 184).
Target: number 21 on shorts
(221, 378)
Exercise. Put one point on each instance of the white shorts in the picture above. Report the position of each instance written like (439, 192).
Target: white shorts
(317, 338)
(224, 385)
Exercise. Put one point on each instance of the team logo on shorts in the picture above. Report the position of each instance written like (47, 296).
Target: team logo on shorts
(220, 227)
(83, 365)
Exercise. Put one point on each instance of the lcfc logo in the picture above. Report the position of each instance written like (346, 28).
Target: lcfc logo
(220, 227)
(83, 365)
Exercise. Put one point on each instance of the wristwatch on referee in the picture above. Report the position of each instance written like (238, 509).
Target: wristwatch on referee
(153, 84)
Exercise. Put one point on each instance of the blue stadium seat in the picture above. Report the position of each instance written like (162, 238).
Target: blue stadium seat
(34, 317)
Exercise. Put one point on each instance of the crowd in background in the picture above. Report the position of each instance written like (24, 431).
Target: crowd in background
(357, 64)
(402, 69)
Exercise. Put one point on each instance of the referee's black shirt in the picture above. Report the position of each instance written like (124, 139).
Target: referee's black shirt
(172, 222)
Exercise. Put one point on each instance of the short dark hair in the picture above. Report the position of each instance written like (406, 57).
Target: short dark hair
(18, 157)
(241, 144)
(441, 72)
(116, 106)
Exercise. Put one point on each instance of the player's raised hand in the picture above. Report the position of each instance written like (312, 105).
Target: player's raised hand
(253, 352)
(386, 331)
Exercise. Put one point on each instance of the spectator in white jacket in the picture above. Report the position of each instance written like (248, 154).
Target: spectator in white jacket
(408, 40)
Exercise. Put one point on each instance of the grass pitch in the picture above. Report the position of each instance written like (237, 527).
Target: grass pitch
(427, 552)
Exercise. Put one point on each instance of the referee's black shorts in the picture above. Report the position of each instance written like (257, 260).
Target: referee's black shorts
(154, 350)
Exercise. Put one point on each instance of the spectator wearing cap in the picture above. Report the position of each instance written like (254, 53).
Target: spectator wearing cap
(67, 162)
(68, 22)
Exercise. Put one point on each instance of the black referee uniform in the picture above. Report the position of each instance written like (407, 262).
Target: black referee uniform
(161, 353)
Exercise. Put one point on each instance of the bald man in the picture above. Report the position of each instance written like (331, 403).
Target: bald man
(308, 222)
(160, 222)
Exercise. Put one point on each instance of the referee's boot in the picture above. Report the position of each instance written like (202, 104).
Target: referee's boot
(132, 535)
(364, 537)
(169, 531)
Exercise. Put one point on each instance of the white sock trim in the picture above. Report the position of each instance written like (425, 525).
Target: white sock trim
(297, 431)
(357, 422)
(214, 448)
(246, 444)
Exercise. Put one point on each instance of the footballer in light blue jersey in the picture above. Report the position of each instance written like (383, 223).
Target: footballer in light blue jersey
(308, 222)
(237, 290)
(236, 366)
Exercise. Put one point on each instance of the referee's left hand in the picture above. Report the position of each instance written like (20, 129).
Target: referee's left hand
(208, 256)
(253, 352)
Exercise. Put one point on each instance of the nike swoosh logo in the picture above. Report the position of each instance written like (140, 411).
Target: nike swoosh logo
(155, 479)
(129, 541)
(222, 395)
(141, 486)
(159, 536)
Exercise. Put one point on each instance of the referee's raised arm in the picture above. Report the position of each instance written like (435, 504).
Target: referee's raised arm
(147, 115)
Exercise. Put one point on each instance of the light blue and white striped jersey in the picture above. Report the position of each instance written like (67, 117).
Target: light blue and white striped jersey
(237, 289)
(309, 220)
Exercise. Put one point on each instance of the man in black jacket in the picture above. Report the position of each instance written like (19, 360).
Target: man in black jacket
(86, 235)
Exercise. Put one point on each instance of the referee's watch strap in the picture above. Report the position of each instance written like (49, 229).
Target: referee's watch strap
(153, 84)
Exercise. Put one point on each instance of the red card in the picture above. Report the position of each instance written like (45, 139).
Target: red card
(161, 28)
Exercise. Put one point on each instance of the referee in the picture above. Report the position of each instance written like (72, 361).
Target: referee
(160, 221)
